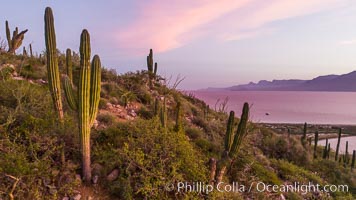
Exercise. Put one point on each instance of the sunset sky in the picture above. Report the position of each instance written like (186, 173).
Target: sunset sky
(212, 43)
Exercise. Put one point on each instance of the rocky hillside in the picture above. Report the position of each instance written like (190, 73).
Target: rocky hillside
(137, 154)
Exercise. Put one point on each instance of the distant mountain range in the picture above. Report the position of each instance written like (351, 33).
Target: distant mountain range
(344, 82)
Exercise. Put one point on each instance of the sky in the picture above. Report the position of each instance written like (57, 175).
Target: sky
(211, 43)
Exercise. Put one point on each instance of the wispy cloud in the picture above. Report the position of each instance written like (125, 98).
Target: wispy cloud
(348, 42)
(165, 25)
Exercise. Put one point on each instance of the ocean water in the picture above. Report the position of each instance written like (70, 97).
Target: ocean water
(333, 143)
(288, 107)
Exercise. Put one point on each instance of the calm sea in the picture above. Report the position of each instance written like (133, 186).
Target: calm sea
(333, 143)
(289, 107)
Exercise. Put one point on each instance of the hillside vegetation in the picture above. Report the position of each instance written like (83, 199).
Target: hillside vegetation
(147, 135)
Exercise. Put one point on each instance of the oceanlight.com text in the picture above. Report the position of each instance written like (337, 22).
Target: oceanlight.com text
(201, 187)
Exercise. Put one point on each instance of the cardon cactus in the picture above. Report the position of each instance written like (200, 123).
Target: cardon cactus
(156, 107)
(325, 152)
(232, 143)
(31, 53)
(353, 159)
(304, 137)
(69, 64)
(150, 62)
(316, 137)
(338, 145)
(178, 126)
(15, 42)
(88, 99)
(52, 63)
(163, 114)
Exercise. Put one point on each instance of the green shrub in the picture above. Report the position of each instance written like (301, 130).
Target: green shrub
(193, 132)
(107, 119)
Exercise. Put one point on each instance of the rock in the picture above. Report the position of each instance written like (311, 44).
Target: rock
(77, 197)
(281, 197)
(78, 178)
(132, 113)
(113, 175)
(109, 105)
(96, 124)
(95, 179)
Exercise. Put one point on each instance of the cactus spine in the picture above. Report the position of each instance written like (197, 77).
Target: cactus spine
(234, 142)
(52, 62)
(338, 145)
(316, 137)
(69, 64)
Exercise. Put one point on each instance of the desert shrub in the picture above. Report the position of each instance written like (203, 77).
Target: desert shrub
(144, 113)
(193, 132)
(146, 162)
(283, 147)
(102, 103)
(33, 72)
(106, 118)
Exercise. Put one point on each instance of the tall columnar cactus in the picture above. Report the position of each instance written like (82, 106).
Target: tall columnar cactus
(155, 69)
(15, 42)
(52, 62)
(232, 144)
(338, 145)
(88, 98)
(353, 159)
(163, 114)
(178, 126)
(24, 52)
(325, 152)
(346, 160)
(8, 35)
(150, 62)
(304, 137)
(156, 107)
(31, 53)
(316, 138)
(69, 64)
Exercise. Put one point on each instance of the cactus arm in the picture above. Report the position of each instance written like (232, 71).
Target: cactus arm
(69, 64)
(70, 95)
(241, 131)
(95, 88)
(229, 131)
(52, 62)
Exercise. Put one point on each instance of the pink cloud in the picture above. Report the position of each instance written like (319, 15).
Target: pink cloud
(164, 25)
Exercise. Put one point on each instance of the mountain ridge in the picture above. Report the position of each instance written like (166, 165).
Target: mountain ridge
(330, 83)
